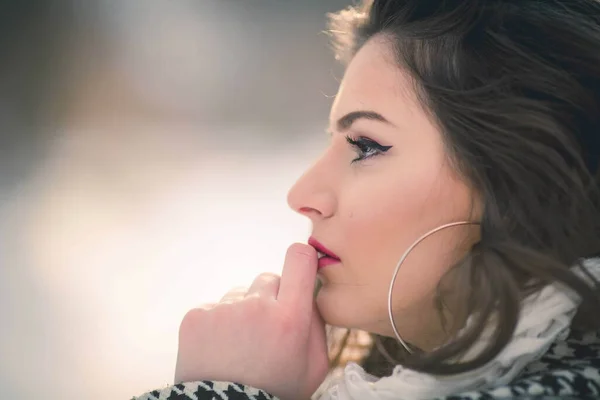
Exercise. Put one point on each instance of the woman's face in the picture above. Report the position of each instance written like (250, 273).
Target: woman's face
(368, 205)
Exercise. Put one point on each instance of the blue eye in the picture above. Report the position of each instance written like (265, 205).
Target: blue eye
(366, 148)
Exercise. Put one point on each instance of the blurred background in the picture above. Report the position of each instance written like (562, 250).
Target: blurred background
(146, 149)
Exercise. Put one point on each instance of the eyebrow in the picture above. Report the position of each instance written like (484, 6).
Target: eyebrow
(344, 123)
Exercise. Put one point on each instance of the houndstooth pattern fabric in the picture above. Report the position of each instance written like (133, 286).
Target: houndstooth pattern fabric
(570, 370)
(207, 390)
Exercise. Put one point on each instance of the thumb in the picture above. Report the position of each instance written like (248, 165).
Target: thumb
(298, 279)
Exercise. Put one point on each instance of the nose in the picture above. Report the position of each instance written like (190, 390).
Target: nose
(313, 195)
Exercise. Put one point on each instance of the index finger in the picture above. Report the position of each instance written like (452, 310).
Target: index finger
(298, 278)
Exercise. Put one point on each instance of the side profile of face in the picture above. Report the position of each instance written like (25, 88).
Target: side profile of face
(368, 202)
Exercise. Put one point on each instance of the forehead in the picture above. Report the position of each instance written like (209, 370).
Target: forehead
(374, 81)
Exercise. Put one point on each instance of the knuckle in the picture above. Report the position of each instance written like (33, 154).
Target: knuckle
(238, 290)
(255, 305)
(268, 277)
(192, 321)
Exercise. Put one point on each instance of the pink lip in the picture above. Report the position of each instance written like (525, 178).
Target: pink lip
(325, 261)
(330, 257)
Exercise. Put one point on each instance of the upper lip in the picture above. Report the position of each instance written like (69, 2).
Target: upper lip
(319, 247)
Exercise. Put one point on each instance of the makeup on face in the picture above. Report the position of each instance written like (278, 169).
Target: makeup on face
(326, 256)
(382, 181)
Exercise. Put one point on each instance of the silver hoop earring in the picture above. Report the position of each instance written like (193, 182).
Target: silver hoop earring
(402, 259)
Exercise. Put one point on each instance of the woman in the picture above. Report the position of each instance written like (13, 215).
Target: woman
(465, 139)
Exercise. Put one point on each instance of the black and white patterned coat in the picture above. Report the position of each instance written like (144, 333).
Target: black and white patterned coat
(569, 370)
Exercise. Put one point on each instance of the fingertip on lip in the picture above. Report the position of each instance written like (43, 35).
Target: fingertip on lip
(319, 247)
(302, 248)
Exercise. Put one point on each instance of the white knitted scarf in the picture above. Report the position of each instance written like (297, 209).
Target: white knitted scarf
(545, 318)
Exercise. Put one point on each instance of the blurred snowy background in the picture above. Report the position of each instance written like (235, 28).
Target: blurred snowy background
(146, 149)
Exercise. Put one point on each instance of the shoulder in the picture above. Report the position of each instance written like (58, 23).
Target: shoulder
(207, 390)
(569, 370)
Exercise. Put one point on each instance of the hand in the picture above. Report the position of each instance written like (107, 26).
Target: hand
(272, 338)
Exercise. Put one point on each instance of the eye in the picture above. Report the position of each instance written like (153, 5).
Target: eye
(366, 148)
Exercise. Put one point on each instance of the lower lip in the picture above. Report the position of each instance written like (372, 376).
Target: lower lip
(325, 261)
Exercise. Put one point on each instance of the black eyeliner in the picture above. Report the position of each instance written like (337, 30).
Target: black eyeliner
(364, 145)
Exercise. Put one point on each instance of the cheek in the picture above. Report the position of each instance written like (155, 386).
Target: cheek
(385, 220)
(386, 214)
(380, 214)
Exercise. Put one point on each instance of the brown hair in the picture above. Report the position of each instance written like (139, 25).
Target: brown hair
(514, 87)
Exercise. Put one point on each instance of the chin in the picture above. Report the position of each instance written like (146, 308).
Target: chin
(332, 308)
(346, 311)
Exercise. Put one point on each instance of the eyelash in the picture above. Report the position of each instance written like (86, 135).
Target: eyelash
(366, 148)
